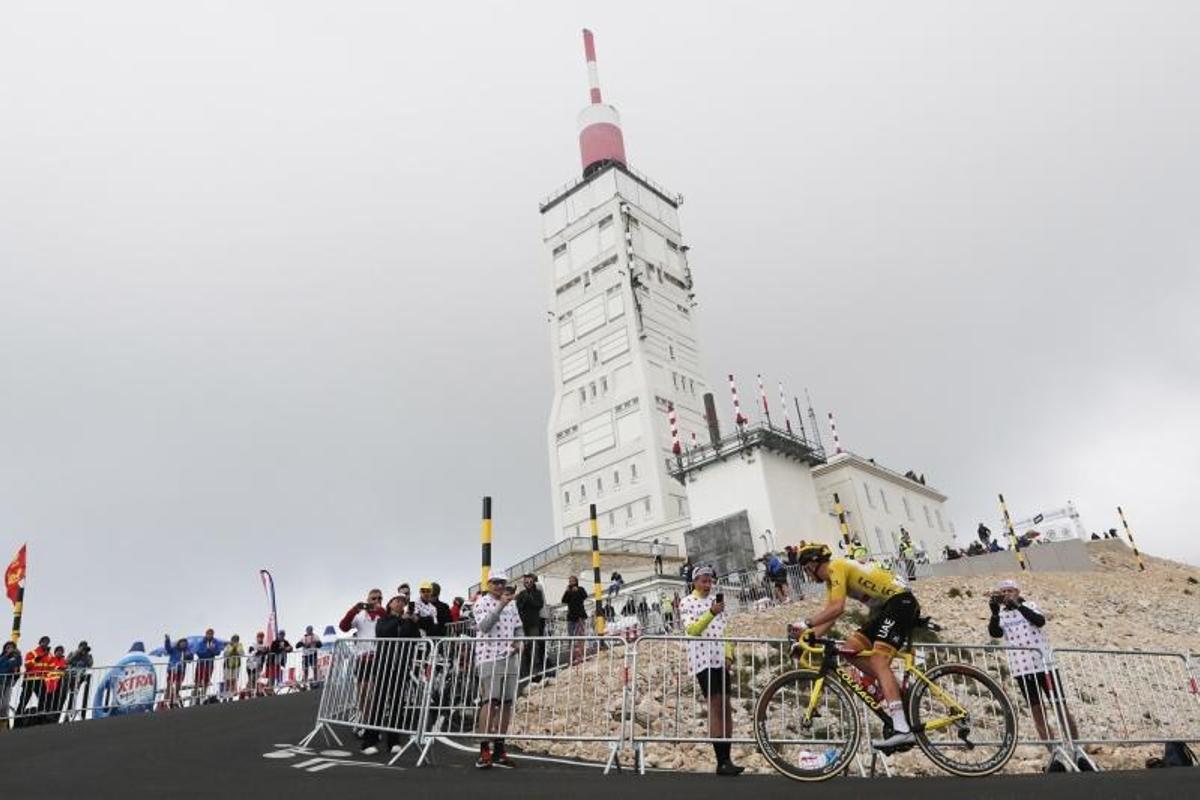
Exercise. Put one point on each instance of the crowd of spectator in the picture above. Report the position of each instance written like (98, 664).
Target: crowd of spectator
(49, 679)
(47, 685)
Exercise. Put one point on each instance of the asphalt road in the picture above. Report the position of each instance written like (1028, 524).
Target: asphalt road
(248, 748)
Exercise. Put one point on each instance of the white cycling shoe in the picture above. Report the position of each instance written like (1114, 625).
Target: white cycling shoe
(897, 739)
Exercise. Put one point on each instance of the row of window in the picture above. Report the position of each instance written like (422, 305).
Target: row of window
(622, 515)
(598, 483)
(929, 519)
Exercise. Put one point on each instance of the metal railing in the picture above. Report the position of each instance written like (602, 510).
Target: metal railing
(76, 694)
(601, 695)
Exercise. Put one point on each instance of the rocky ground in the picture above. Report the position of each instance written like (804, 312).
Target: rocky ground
(1114, 607)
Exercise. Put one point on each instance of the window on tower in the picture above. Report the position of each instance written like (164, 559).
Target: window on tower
(616, 477)
(608, 234)
(562, 262)
(566, 498)
(633, 472)
(599, 486)
(582, 492)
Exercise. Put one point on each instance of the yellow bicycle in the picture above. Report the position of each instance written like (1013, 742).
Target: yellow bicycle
(808, 727)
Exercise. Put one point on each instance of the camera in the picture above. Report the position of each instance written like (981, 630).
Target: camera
(720, 597)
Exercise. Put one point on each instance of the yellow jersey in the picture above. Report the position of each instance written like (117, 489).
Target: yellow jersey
(867, 583)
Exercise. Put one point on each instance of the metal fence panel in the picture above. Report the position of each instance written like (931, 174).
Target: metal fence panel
(1130, 697)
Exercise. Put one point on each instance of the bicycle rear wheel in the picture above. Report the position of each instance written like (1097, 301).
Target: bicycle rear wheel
(982, 742)
(806, 750)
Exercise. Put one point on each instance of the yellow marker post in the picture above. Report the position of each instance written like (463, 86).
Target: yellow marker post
(597, 589)
(1012, 535)
(485, 537)
(1129, 533)
(841, 515)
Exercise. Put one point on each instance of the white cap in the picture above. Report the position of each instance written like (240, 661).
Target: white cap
(497, 576)
(1008, 583)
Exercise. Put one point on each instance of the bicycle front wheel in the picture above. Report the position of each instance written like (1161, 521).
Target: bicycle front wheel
(963, 720)
(801, 745)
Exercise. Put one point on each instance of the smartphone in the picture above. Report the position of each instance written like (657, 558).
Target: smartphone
(720, 597)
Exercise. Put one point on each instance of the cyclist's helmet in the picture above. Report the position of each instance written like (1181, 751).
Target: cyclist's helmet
(813, 552)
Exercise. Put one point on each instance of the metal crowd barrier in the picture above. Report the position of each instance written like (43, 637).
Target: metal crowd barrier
(548, 688)
(1122, 697)
(668, 703)
(77, 694)
(378, 688)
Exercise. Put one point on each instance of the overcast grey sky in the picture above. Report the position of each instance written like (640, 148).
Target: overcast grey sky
(272, 291)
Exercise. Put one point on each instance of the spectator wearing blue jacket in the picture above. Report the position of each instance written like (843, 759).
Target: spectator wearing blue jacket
(207, 651)
(178, 655)
(10, 671)
(776, 575)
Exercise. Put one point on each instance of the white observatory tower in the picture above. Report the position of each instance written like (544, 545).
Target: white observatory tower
(623, 340)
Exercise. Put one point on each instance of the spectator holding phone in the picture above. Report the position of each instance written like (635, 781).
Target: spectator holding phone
(361, 620)
(1020, 624)
(498, 663)
(710, 660)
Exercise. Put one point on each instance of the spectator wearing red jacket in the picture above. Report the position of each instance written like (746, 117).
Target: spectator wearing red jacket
(33, 686)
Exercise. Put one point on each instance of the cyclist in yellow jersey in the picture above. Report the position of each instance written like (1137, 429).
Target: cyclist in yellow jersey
(894, 613)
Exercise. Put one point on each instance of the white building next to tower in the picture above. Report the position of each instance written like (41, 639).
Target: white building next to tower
(623, 343)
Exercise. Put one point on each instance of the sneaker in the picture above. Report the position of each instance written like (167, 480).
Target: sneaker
(370, 750)
(898, 739)
(500, 759)
(729, 768)
(485, 758)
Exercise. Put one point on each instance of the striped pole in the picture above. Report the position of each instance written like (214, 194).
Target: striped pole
(18, 610)
(1129, 533)
(738, 418)
(485, 538)
(676, 447)
(837, 443)
(1012, 535)
(597, 590)
(787, 420)
(762, 393)
(840, 510)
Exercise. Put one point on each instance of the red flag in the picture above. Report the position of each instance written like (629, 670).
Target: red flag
(14, 576)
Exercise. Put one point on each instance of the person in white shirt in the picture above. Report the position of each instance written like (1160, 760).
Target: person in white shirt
(1020, 624)
(361, 619)
(710, 660)
(498, 662)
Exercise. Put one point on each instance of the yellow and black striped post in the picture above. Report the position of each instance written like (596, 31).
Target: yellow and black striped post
(597, 589)
(485, 538)
(841, 515)
(1129, 533)
(1012, 535)
(18, 610)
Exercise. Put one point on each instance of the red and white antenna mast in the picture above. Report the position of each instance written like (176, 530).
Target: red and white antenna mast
(739, 419)
(837, 443)
(762, 393)
(600, 139)
(787, 420)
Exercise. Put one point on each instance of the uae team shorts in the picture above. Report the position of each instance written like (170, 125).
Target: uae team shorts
(893, 622)
(498, 679)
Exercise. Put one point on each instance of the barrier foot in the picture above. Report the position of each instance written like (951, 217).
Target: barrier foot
(613, 760)
(640, 757)
(411, 741)
(331, 738)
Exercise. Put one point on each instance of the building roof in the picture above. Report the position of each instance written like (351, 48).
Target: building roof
(847, 460)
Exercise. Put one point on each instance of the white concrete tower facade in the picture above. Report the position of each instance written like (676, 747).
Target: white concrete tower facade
(623, 341)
